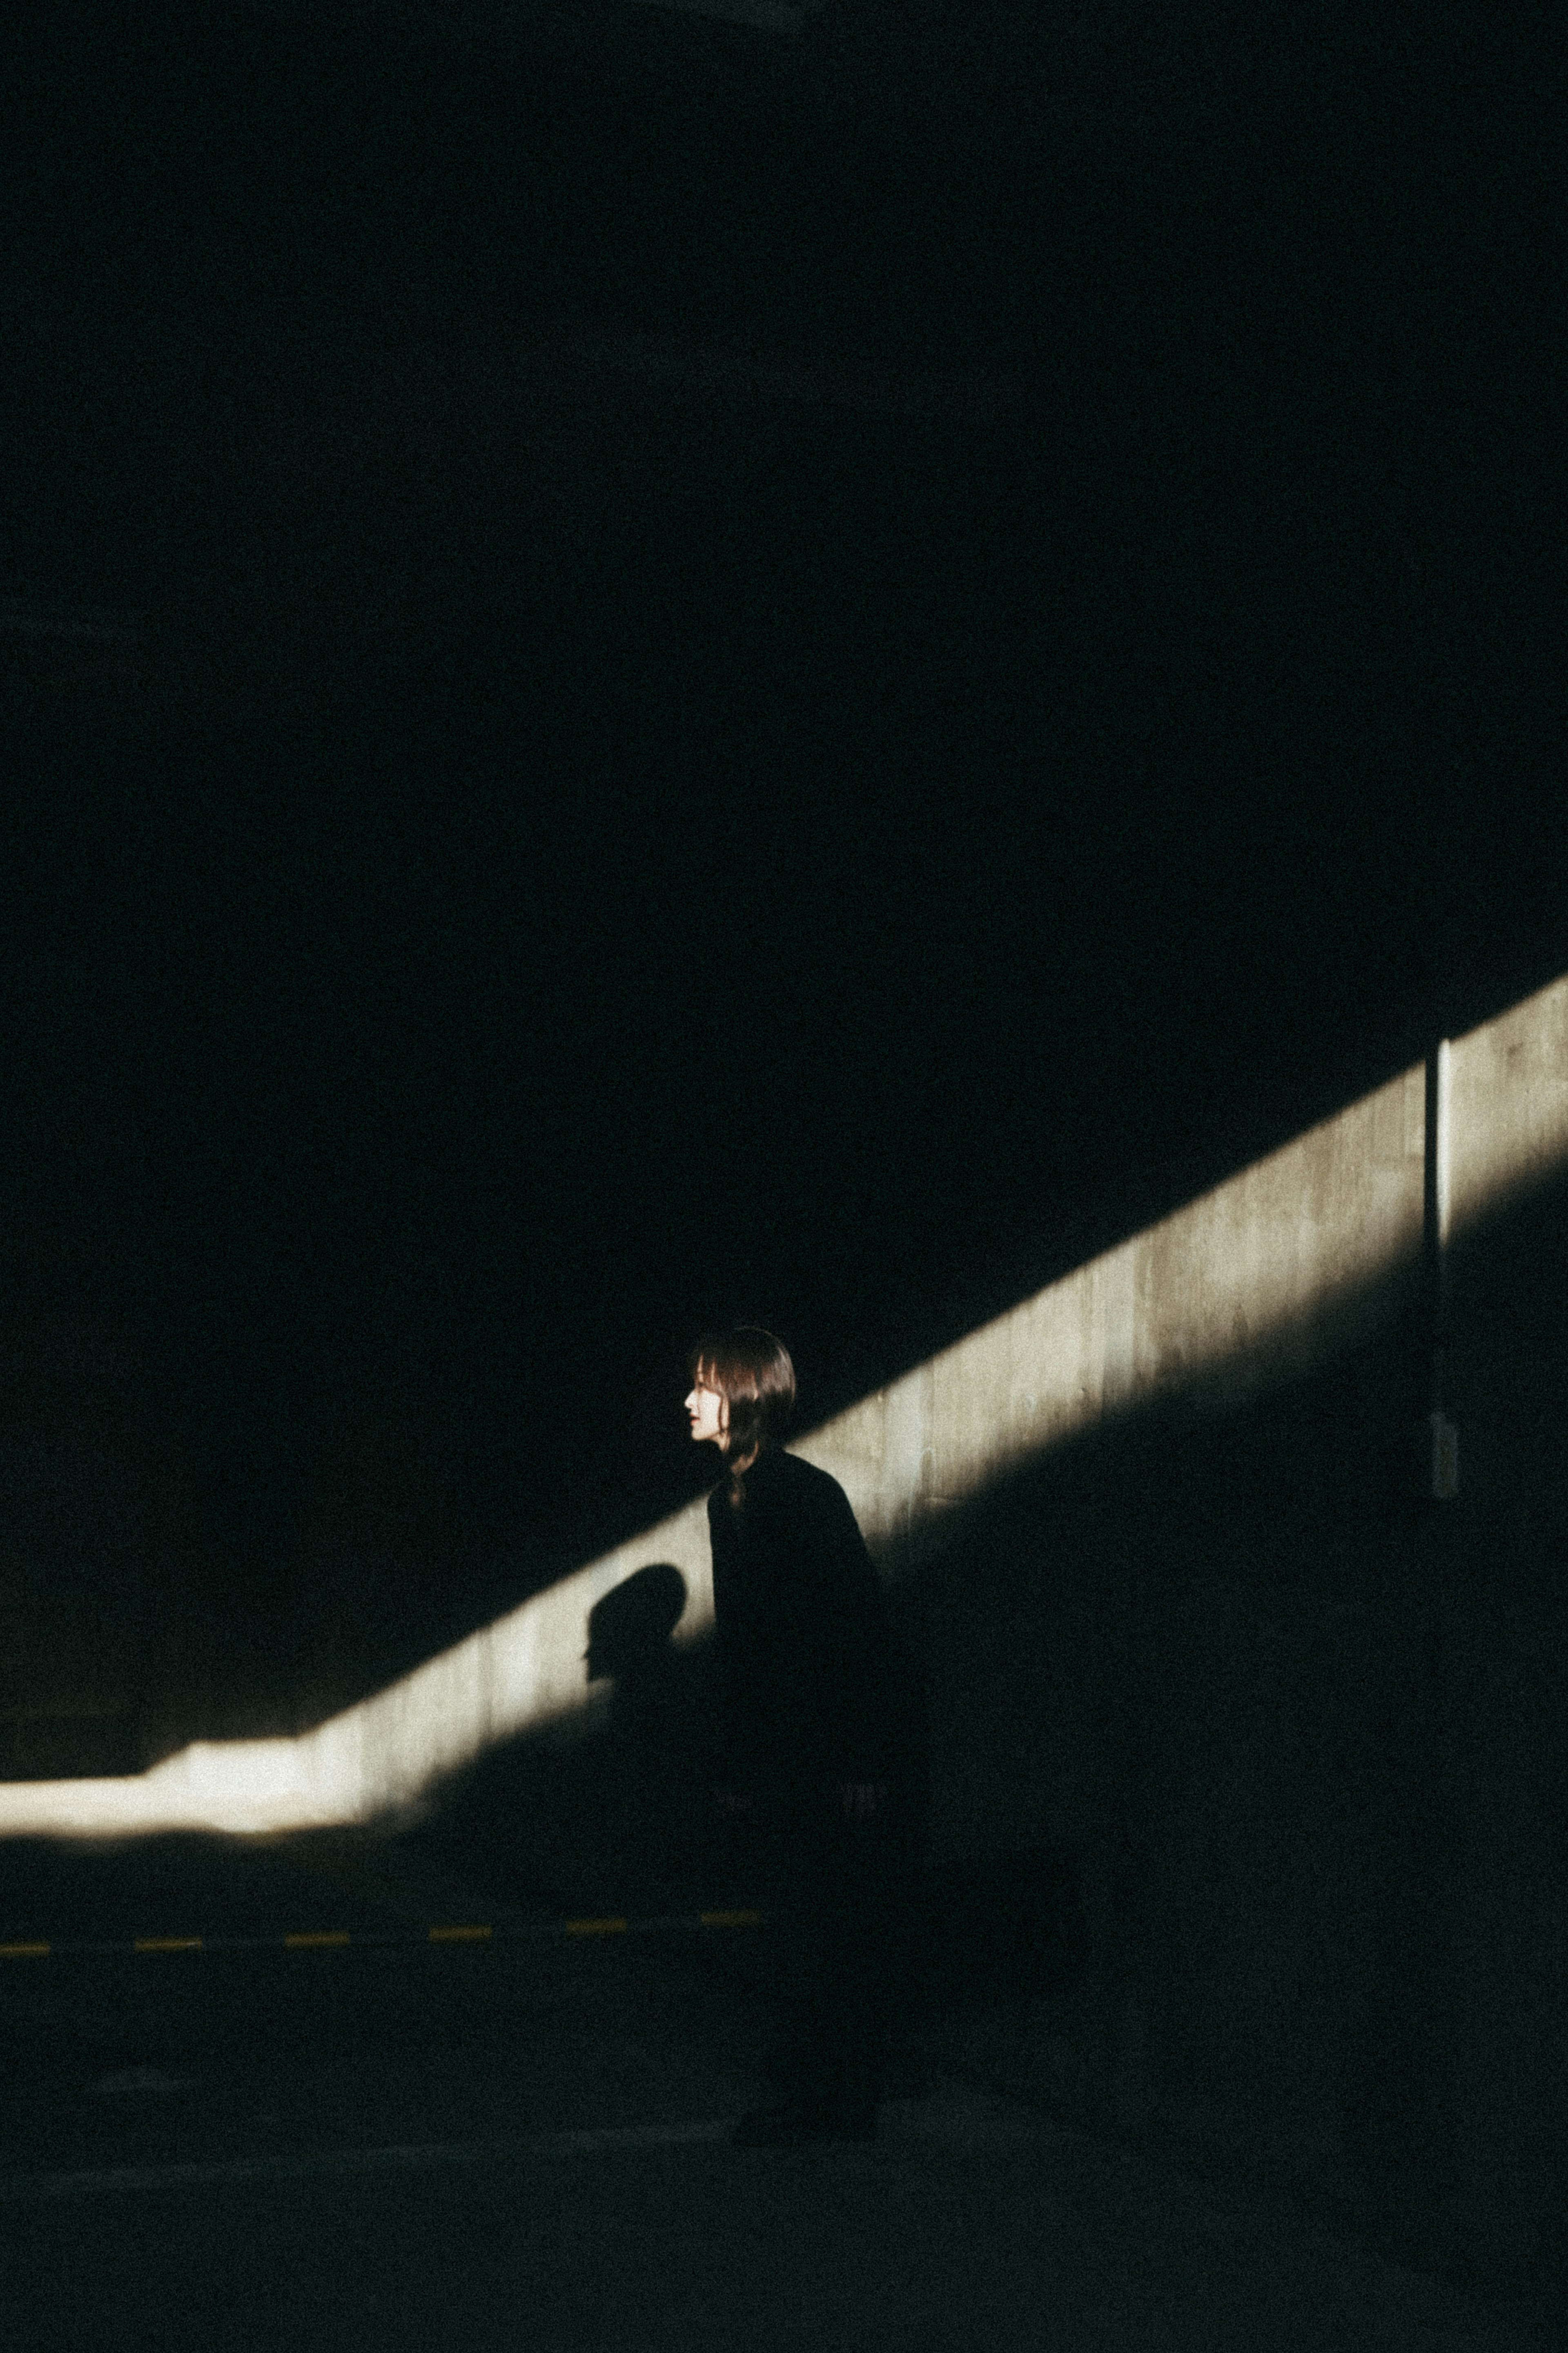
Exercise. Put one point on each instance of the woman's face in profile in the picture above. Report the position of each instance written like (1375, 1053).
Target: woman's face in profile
(707, 1412)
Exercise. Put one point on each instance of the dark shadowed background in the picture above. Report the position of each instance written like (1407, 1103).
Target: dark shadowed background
(572, 840)
(656, 672)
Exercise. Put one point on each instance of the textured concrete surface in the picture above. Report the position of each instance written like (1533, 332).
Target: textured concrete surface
(406, 2146)
(949, 2231)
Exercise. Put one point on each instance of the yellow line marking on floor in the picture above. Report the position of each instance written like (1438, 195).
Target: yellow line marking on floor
(458, 1935)
(318, 1937)
(24, 1952)
(168, 1944)
(594, 1927)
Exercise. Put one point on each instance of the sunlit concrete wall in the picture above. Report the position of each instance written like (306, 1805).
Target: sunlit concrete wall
(1302, 1761)
(1258, 1274)
(1297, 1743)
(1258, 1279)
(382, 1757)
(1507, 1108)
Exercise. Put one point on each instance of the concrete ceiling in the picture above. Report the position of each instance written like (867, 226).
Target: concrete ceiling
(362, 322)
(374, 314)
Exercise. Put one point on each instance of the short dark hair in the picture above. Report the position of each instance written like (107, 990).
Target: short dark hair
(752, 1373)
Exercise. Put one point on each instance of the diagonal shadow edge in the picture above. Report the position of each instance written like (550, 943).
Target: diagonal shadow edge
(1258, 1279)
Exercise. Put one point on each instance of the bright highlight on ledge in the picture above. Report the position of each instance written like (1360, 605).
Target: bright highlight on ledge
(1265, 1276)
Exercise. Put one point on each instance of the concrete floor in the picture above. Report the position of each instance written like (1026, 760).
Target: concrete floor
(526, 2142)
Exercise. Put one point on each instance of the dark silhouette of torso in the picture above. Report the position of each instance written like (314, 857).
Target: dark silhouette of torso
(808, 1690)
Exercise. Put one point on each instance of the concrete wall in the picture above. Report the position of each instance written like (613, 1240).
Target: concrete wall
(1278, 1735)
(1257, 1279)
(1260, 1277)
(1256, 1740)
(91, 1548)
(1285, 1267)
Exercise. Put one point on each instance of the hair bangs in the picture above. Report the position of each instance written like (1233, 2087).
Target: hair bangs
(753, 1372)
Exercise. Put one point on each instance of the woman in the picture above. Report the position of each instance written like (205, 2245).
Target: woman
(807, 1732)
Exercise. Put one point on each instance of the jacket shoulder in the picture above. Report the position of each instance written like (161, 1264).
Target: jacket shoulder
(806, 1475)
(817, 1490)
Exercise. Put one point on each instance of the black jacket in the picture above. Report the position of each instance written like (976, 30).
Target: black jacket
(807, 1679)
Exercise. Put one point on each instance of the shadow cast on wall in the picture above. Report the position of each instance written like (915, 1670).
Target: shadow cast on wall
(1247, 1768)
(612, 1811)
(1236, 1761)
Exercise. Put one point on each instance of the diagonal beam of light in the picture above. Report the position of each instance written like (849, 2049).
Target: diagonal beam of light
(1258, 1278)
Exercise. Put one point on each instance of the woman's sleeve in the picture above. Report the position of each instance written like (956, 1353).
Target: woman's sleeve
(852, 1648)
